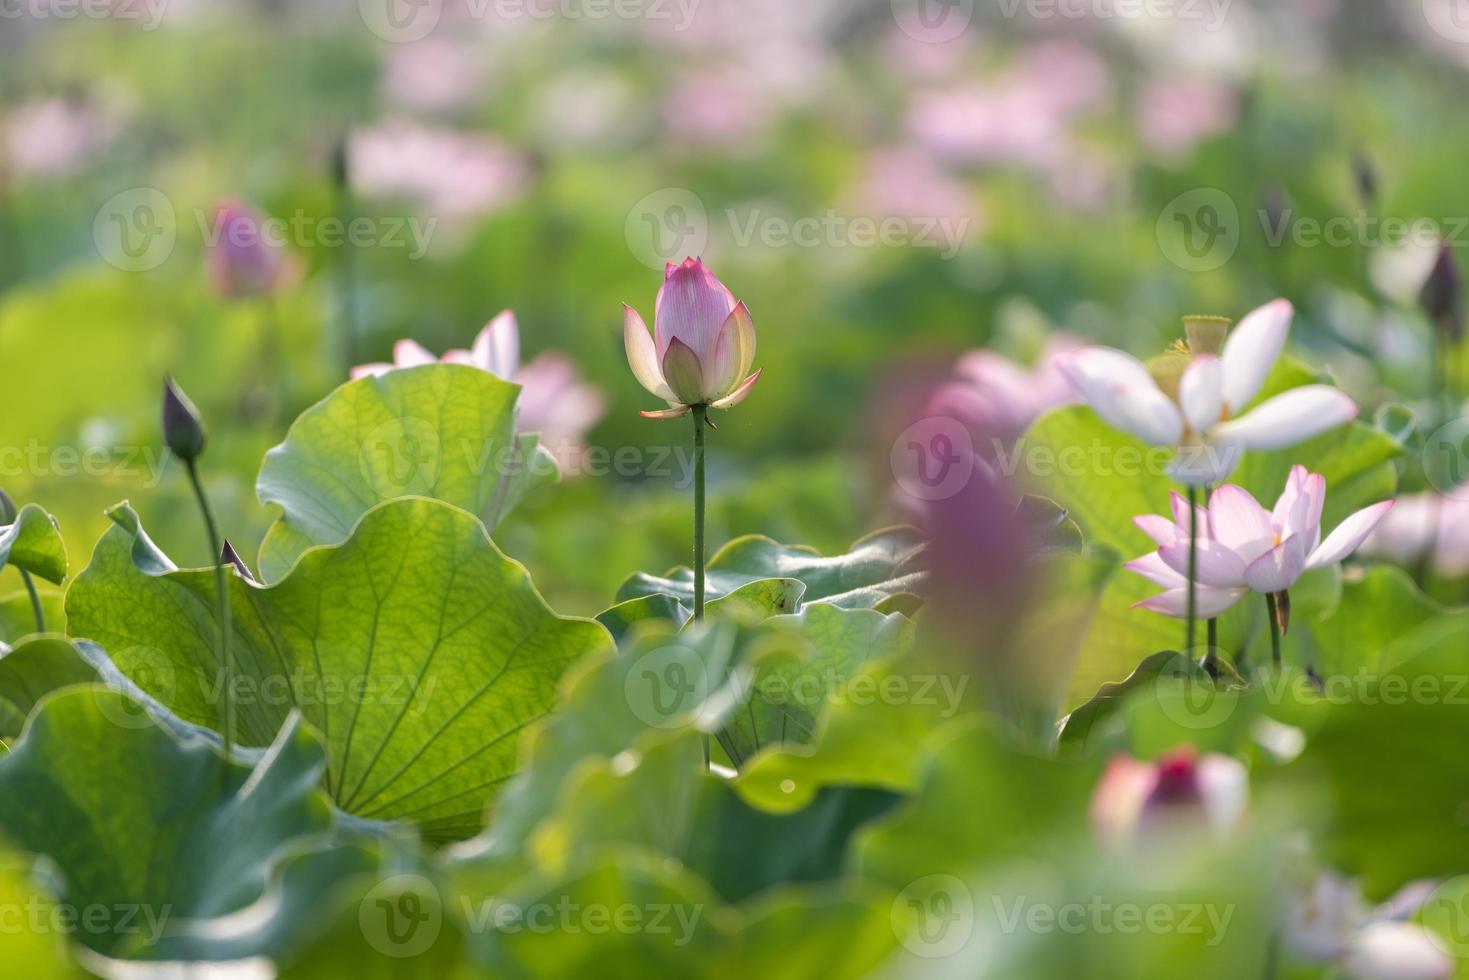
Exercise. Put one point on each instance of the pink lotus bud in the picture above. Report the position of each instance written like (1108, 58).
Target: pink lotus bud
(243, 263)
(1134, 798)
(703, 342)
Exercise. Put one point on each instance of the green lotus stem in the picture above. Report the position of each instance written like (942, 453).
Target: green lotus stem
(222, 596)
(1211, 659)
(1193, 563)
(40, 616)
(1274, 628)
(701, 415)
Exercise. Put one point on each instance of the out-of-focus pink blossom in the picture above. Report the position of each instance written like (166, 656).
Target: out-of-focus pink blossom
(702, 345)
(433, 74)
(1334, 925)
(243, 260)
(723, 108)
(1174, 116)
(1429, 527)
(553, 402)
(994, 395)
(53, 137)
(907, 182)
(1135, 799)
(450, 173)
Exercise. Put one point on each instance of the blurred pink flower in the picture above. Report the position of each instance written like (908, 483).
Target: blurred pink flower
(1135, 799)
(56, 136)
(702, 344)
(243, 261)
(1430, 527)
(1243, 547)
(722, 108)
(433, 74)
(907, 182)
(998, 397)
(1174, 116)
(553, 401)
(450, 173)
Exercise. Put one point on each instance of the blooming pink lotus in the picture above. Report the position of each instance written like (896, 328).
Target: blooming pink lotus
(1427, 527)
(1204, 418)
(243, 261)
(702, 344)
(553, 401)
(1243, 547)
(1134, 798)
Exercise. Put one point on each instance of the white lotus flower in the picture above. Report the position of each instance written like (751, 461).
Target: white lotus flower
(1205, 423)
(1334, 925)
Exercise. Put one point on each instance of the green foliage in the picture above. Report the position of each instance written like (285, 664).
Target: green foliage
(33, 543)
(417, 649)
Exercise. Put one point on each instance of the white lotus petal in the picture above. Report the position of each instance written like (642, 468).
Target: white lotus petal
(1251, 351)
(1119, 388)
(1289, 418)
(1201, 392)
(1348, 536)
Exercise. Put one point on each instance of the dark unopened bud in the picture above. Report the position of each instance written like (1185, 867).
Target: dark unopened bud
(1443, 295)
(7, 509)
(1365, 173)
(340, 164)
(229, 556)
(182, 428)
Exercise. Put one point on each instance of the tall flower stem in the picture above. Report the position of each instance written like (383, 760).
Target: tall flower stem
(1193, 565)
(40, 616)
(701, 415)
(222, 596)
(1270, 614)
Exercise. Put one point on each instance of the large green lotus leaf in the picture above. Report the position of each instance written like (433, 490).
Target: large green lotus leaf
(1382, 619)
(801, 660)
(33, 669)
(33, 544)
(1394, 778)
(416, 648)
(763, 597)
(702, 677)
(630, 916)
(871, 734)
(983, 802)
(17, 619)
(1114, 479)
(661, 799)
(441, 431)
(133, 818)
(881, 568)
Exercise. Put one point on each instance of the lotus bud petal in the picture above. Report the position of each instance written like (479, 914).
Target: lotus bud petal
(182, 429)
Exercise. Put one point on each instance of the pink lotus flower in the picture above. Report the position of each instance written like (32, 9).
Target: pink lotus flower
(1133, 799)
(703, 342)
(243, 261)
(1243, 547)
(1203, 420)
(553, 401)
(998, 397)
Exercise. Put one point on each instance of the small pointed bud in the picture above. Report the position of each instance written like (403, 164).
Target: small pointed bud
(1205, 333)
(1167, 370)
(1442, 297)
(1273, 207)
(1365, 172)
(228, 556)
(339, 164)
(7, 509)
(182, 429)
